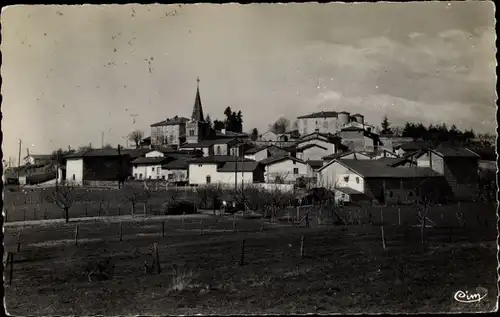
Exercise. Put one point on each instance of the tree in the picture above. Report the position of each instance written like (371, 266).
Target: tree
(255, 134)
(385, 126)
(280, 126)
(133, 196)
(209, 122)
(136, 137)
(63, 196)
(219, 125)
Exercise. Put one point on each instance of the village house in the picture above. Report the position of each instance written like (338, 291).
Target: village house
(324, 144)
(326, 121)
(224, 169)
(375, 181)
(260, 153)
(268, 136)
(312, 168)
(459, 165)
(284, 169)
(413, 146)
(359, 139)
(391, 142)
(225, 146)
(149, 167)
(169, 132)
(97, 167)
(176, 171)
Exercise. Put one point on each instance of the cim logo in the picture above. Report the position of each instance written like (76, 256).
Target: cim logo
(470, 297)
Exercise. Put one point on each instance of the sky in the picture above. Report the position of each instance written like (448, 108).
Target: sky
(73, 73)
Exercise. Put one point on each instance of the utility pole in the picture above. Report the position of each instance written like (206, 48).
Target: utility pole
(236, 169)
(19, 163)
(102, 140)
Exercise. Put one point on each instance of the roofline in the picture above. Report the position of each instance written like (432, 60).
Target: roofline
(285, 158)
(311, 145)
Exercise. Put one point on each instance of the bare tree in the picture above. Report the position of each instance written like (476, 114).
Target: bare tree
(136, 137)
(133, 196)
(63, 196)
(280, 126)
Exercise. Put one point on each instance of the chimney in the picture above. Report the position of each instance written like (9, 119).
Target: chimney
(223, 131)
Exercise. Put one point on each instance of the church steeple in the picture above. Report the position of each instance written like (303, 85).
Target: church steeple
(197, 109)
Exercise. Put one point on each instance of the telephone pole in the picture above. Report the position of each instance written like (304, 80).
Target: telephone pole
(19, 162)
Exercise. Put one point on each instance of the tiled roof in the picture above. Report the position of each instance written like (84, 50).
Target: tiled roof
(276, 159)
(371, 169)
(310, 145)
(348, 191)
(96, 153)
(176, 164)
(238, 167)
(149, 160)
(40, 156)
(315, 163)
(220, 159)
(455, 152)
(415, 145)
(322, 114)
(134, 153)
(208, 143)
(340, 155)
(173, 121)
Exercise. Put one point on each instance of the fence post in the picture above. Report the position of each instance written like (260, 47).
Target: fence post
(34, 213)
(157, 258)
(163, 229)
(86, 210)
(399, 216)
(5, 214)
(121, 230)
(119, 211)
(24, 214)
(383, 237)
(242, 259)
(45, 214)
(76, 234)
(302, 245)
(19, 241)
(234, 222)
(201, 227)
(11, 268)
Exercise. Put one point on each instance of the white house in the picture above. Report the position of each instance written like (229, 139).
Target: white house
(224, 169)
(312, 151)
(327, 143)
(74, 170)
(149, 167)
(283, 169)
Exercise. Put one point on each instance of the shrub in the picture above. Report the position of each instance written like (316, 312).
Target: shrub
(179, 207)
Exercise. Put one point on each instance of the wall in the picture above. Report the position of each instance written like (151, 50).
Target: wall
(220, 149)
(284, 169)
(74, 167)
(176, 175)
(328, 176)
(314, 153)
(229, 177)
(106, 168)
(167, 134)
(147, 171)
(198, 173)
(354, 140)
(433, 161)
(354, 181)
(281, 187)
(324, 125)
(370, 144)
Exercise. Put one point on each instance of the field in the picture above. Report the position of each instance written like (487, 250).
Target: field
(344, 268)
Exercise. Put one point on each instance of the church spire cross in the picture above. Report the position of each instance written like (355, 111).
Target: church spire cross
(197, 109)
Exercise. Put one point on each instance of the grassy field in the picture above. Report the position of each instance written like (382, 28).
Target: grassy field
(344, 268)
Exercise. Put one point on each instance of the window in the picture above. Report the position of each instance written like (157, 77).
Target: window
(74, 177)
(163, 177)
(218, 150)
(135, 175)
(295, 171)
(171, 139)
(153, 169)
(346, 179)
(208, 179)
(149, 177)
(191, 132)
(140, 176)
(410, 194)
(343, 195)
(294, 162)
(357, 180)
(170, 176)
(390, 194)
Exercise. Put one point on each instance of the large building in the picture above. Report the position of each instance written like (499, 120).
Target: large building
(326, 121)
